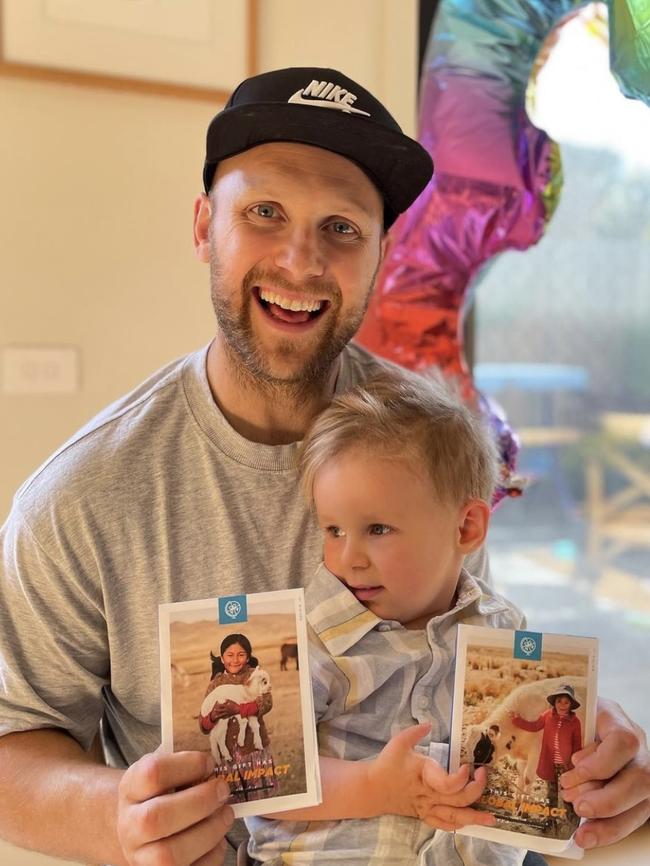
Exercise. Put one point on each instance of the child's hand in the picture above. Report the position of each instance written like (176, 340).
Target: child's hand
(451, 794)
(418, 787)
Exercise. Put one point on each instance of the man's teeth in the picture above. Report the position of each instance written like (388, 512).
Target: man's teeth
(286, 304)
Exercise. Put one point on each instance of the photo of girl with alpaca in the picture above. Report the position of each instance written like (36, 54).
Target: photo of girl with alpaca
(524, 705)
(561, 739)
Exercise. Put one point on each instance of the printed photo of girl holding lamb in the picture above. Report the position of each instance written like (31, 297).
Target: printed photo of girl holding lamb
(237, 698)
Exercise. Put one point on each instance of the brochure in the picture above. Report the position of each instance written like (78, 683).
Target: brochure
(523, 703)
(249, 704)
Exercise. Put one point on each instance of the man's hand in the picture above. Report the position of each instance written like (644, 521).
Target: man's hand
(171, 810)
(417, 786)
(610, 782)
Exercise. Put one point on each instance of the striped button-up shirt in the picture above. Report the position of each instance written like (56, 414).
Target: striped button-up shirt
(372, 678)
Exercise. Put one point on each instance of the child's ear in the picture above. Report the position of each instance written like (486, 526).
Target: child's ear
(473, 522)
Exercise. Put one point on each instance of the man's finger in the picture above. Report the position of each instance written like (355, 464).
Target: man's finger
(169, 814)
(606, 760)
(620, 740)
(192, 844)
(617, 796)
(584, 753)
(573, 794)
(216, 857)
(606, 831)
(160, 772)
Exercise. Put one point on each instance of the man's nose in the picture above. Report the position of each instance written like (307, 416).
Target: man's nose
(300, 255)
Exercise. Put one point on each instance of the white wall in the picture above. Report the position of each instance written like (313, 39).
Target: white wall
(96, 193)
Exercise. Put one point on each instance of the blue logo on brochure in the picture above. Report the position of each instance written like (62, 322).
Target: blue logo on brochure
(232, 608)
(528, 645)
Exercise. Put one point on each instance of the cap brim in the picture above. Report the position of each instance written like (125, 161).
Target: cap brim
(398, 166)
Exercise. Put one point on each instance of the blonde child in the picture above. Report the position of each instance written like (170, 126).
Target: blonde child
(401, 474)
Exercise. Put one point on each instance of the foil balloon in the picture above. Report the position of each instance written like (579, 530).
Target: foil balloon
(629, 47)
(497, 177)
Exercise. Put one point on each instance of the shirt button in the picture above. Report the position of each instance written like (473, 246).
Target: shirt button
(383, 627)
(423, 702)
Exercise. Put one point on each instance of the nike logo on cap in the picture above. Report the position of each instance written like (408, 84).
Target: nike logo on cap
(327, 95)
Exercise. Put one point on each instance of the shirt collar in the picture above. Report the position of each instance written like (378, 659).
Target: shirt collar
(340, 620)
(337, 617)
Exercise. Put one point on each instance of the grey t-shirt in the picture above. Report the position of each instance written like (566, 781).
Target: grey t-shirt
(156, 500)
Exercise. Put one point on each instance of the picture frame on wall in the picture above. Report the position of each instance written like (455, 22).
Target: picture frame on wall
(199, 48)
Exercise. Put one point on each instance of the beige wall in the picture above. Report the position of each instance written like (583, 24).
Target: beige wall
(96, 193)
(95, 232)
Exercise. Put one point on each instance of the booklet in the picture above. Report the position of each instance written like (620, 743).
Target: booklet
(523, 703)
(249, 704)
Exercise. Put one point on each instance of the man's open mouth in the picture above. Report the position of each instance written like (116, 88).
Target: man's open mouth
(291, 310)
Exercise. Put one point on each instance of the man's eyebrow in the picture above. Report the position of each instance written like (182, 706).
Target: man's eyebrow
(343, 197)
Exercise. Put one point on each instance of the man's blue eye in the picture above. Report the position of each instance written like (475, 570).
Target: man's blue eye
(264, 210)
(342, 228)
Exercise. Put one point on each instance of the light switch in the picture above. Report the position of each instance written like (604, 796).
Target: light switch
(40, 370)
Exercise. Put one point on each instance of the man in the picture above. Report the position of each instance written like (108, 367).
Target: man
(186, 488)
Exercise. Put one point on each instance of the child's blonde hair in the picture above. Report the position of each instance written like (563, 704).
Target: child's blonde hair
(407, 417)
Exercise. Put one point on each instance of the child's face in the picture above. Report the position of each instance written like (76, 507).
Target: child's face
(234, 658)
(387, 538)
(562, 705)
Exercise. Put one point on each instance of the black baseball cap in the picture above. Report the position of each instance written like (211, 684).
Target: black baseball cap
(323, 108)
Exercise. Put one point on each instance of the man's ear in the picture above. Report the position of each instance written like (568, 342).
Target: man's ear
(473, 522)
(202, 219)
(383, 248)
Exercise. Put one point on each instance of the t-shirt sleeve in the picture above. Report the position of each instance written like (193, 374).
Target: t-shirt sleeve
(53, 637)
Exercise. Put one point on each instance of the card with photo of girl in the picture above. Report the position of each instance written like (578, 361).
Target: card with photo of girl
(235, 682)
(524, 704)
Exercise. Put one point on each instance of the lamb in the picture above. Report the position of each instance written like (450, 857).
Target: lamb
(497, 737)
(259, 683)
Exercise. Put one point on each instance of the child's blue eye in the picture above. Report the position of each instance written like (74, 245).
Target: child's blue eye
(335, 531)
(379, 529)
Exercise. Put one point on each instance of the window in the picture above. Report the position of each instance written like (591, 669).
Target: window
(563, 343)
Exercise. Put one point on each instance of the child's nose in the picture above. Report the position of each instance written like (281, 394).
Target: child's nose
(355, 555)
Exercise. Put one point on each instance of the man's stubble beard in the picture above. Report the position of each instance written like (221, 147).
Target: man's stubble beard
(247, 360)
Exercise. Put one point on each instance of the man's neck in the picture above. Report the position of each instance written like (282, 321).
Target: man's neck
(264, 412)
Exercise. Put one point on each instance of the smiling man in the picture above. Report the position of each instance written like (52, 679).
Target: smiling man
(186, 488)
(293, 235)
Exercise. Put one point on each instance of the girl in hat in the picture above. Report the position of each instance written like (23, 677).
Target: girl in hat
(562, 737)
